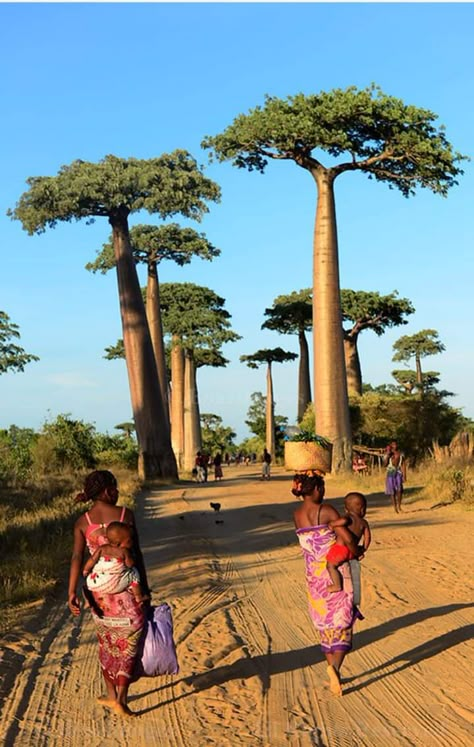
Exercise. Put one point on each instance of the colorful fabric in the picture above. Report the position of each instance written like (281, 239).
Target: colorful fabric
(120, 628)
(111, 576)
(339, 554)
(332, 613)
(393, 482)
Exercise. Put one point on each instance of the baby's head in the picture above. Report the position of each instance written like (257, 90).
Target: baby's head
(355, 503)
(119, 534)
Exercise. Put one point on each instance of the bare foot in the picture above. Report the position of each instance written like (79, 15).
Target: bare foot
(121, 709)
(334, 681)
(106, 702)
(332, 588)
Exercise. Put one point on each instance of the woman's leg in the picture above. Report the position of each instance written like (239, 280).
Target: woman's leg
(110, 699)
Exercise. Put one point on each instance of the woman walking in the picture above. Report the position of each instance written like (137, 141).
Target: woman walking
(119, 618)
(332, 614)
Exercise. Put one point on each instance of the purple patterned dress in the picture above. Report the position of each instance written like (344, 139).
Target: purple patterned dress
(333, 613)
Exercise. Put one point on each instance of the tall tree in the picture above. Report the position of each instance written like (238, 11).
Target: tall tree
(150, 246)
(195, 318)
(407, 380)
(114, 189)
(373, 133)
(418, 346)
(269, 356)
(257, 422)
(293, 314)
(368, 310)
(12, 357)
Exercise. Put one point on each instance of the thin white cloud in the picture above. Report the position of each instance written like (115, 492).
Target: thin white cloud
(72, 380)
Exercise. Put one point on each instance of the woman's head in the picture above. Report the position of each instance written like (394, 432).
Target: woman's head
(98, 485)
(308, 483)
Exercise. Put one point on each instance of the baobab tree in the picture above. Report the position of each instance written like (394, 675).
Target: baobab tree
(269, 356)
(368, 310)
(114, 188)
(12, 356)
(150, 246)
(197, 323)
(418, 346)
(361, 130)
(293, 314)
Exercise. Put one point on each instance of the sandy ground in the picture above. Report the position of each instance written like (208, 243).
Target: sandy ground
(251, 673)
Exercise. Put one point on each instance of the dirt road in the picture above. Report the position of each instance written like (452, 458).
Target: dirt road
(251, 673)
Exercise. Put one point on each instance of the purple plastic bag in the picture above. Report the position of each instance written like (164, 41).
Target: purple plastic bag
(159, 650)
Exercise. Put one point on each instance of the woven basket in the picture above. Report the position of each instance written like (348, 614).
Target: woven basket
(304, 455)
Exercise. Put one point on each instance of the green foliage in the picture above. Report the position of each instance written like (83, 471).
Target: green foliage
(197, 315)
(152, 244)
(290, 314)
(172, 183)
(215, 436)
(310, 435)
(12, 357)
(64, 443)
(15, 455)
(378, 134)
(415, 422)
(119, 450)
(256, 421)
(268, 356)
(423, 343)
(370, 310)
(407, 380)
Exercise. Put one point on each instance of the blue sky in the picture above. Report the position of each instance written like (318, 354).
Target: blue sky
(85, 80)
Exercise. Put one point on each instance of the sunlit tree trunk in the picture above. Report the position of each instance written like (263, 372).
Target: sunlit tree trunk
(353, 370)
(177, 400)
(192, 428)
(304, 384)
(270, 414)
(153, 313)
(156, 459)
(330, 385)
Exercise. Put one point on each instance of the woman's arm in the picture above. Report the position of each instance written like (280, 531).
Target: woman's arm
(367, 536)
(128, 558)
(77, 558)
(139, 562)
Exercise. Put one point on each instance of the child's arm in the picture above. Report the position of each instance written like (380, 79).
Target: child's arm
(343, 521)
(128, 558)
(91, 562)
(367, 537)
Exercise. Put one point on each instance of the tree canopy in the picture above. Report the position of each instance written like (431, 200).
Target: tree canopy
(371, 310)
(166, 185)
(156, 243)
(268, 356)
(389, 140)
(290, 313)
(12, 357)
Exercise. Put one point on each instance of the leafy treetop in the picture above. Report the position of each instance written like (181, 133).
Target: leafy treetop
(268, 356)
(423, 343)
(12, 357)
(378, 134)
(172, 183)
(370, 310)
(156, 243)
(290, 313)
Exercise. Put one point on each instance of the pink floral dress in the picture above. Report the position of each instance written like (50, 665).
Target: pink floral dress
(120, 629)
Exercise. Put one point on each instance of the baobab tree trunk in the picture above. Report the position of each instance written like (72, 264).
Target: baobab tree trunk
(156, 457)
(192, 426)
(304, 384)
(153, 313)
(330, 385)
(419, 373)
(270, 414)
(177, 399)
(353, 370)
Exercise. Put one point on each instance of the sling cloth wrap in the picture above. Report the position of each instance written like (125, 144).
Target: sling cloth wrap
(332, 613)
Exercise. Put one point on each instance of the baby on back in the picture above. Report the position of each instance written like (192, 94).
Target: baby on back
(355, 506)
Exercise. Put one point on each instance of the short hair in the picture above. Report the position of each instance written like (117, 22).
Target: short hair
(354, 496)
(117, 531)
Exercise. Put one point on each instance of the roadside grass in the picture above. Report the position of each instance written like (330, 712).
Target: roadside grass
(36, 525)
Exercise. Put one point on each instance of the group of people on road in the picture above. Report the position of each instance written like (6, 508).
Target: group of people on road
(116, 587)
